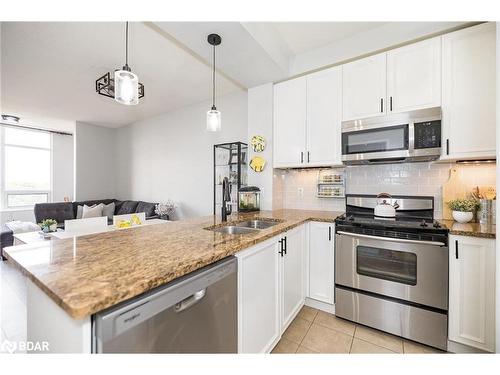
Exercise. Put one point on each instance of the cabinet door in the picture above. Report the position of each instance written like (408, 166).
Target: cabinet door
(321, 258)
(293, 275)
(324, 116)
(414, 76)
(258, 298)
(472, 292)
(469, 93)
(289, 122)
(364, 87)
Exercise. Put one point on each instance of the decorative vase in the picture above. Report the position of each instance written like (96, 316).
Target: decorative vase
(462, 217)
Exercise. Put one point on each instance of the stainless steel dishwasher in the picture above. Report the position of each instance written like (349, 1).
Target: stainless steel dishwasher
(194, 314)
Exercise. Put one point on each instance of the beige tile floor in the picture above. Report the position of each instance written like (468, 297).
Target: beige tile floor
(314, 331)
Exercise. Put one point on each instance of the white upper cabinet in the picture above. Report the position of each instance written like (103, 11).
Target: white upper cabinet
(364, 88)
(469, 93)
(414, 76)
(324, 116)
(307, 118)
(472, 292)
(321, 262)
(289, 122)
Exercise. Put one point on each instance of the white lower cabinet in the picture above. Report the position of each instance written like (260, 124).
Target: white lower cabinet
(321, 262)
(471, 315)
(292, 275)
(270, 290)
(259, 298)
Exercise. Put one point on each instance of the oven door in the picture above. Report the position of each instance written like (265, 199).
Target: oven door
(414, 271)
(376, 143)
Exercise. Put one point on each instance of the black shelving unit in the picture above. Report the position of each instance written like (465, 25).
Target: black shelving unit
(230, 160)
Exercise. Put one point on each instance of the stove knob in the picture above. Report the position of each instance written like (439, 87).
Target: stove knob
(350, 218)
(423, 223)
(436, 225)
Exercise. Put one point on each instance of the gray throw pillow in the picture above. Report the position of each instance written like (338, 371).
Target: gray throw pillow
(109, 210)
(95, 211)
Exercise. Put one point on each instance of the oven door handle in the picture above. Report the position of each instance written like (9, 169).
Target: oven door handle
(433, 243)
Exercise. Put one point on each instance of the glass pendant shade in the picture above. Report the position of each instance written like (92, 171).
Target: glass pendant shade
(126, 87)
(213, 120)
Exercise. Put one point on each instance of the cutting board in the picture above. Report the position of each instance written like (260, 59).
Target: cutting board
(452, 189)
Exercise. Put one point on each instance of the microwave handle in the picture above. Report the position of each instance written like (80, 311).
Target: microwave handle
(434, 243)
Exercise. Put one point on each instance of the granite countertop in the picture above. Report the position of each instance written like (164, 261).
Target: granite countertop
(470, 229)
(87, 274)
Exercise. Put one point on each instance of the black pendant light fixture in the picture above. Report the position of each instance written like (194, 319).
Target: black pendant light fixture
(214, 116)
(124, 87)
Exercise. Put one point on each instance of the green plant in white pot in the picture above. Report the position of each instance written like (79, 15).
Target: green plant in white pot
(48, 225)
(462, 209)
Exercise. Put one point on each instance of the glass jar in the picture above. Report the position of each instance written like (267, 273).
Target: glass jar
(249, 199)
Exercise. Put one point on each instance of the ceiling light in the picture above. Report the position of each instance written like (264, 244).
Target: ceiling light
(10, 119)
(124, 87)
(214, 116)
(480, 161)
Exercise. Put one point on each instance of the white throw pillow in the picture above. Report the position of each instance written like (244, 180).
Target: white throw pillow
(92, 211)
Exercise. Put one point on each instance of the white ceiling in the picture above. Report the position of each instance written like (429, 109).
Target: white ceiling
(49, 68)
(305, 36)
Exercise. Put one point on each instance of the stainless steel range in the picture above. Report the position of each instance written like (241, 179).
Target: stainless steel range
(392, 274)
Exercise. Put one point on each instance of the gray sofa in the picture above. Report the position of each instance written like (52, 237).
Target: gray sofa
(61, 211)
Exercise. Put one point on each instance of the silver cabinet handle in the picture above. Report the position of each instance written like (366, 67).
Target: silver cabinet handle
(190, 301)
(434, 243)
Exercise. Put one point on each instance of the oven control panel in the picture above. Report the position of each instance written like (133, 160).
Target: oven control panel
(427, 134)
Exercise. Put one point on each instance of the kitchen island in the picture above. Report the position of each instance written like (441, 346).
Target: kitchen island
(72, 279)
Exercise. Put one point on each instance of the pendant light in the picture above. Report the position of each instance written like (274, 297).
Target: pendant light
(124, 87)
(126, 82)
(214, 116)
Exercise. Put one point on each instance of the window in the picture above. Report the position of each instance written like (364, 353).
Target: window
(26, 167)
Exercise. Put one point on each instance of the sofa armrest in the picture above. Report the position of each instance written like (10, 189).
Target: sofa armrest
(6, 239)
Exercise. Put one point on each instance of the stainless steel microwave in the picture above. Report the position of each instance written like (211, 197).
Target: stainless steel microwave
(401, 137)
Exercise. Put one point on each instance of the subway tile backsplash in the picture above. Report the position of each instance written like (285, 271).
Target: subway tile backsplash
(296, 189)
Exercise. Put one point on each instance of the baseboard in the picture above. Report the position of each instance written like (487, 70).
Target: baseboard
(323, 306)
(457, 348)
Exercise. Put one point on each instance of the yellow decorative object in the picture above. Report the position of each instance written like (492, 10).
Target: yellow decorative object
(258, 143)
(124, 224)
(257, 164)
(135, 220)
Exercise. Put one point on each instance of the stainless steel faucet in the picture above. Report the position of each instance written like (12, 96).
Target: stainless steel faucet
(226, 199)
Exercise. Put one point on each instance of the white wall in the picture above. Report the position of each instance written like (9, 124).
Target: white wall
(260, 122)
(95, 167)
(63, 179)
(171, 156)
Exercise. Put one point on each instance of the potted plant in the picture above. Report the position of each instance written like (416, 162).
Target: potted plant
(462, 209)
(48, 225)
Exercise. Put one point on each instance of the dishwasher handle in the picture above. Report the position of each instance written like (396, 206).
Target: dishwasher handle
(190, 301)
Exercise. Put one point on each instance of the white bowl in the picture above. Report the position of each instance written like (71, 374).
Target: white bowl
(462, 217)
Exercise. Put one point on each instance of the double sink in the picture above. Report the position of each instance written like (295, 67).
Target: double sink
(246, 227)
